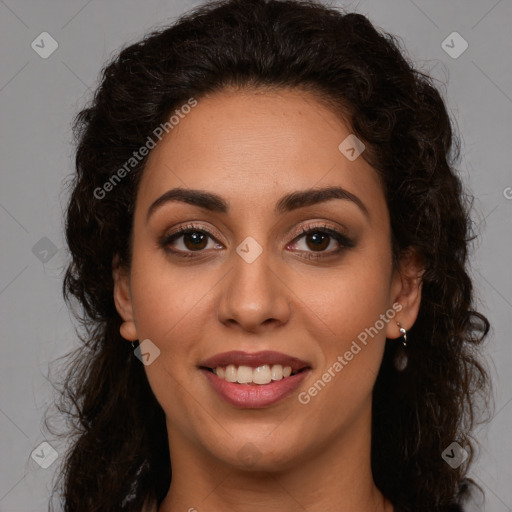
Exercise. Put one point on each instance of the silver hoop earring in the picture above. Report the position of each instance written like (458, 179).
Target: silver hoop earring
(401, 360)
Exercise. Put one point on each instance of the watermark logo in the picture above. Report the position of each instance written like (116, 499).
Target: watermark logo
(305, 397)
(351, 147)
(143, 151)
(454, 45)
(44, 250)
(455, 455)
(249, 250)
(249, 454)
(44, 45)
(147, 352)
(45, 455)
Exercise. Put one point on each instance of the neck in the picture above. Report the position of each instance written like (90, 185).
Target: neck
(335, 477)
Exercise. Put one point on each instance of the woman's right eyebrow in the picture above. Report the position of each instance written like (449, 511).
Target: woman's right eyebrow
(292, 201)
(201, 198)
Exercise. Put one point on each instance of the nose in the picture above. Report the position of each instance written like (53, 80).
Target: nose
(253, 297)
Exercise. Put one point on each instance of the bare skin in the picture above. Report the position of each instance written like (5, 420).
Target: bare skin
(252, 148)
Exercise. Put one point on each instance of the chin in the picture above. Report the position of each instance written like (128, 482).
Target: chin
(259, 456)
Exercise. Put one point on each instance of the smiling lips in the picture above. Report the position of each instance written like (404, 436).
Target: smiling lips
(254, 380)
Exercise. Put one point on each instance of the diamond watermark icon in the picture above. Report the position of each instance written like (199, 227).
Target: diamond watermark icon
(455, 455)
(44, 250)
(45, 455)
(44, 45)
(454, 45)
(249, 454)
(147, 352)
(249, 249)
(351, 147)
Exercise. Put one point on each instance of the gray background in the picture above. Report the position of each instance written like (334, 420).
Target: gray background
(38, 99)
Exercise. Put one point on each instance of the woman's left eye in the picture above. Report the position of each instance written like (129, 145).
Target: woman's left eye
(321, 240)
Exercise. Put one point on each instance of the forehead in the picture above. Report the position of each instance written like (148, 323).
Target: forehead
(251, 146)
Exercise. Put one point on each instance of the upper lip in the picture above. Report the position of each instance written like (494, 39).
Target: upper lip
(255, 359)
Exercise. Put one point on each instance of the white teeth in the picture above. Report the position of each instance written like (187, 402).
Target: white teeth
(246, 375)
(261, 375)
(277, 372)
(231, 373)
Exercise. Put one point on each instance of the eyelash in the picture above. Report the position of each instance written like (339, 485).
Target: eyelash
(342, 239)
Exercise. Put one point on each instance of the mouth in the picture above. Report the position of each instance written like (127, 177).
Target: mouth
(254, 380)
(254, 368)
(259, 375)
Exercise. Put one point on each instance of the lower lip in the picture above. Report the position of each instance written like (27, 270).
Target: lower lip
(254, 395)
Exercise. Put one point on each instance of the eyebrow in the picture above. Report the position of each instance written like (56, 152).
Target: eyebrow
(288, 203)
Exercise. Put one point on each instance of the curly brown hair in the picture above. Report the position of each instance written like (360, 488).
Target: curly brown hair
(120, 447)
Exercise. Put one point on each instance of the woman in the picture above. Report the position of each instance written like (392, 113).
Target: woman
(265, 209)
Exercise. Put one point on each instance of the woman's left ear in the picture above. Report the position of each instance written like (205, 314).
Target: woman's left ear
(406, 291)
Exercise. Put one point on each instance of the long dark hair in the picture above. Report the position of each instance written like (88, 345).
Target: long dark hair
(119, 457)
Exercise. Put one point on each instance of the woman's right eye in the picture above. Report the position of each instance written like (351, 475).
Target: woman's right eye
(187, 240)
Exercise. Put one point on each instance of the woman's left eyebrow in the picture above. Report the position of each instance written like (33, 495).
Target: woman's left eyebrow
(310, 196)
(292, 201)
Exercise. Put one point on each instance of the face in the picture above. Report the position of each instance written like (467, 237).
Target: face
(268, 274)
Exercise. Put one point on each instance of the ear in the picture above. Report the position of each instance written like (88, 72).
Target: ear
(123, 300)
(406, 290)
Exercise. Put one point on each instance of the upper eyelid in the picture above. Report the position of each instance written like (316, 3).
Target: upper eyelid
(321, 226)
(189, 227)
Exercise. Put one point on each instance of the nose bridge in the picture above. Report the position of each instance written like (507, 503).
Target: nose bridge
(253, 295)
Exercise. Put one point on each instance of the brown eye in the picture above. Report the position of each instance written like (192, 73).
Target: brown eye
(317, 241)
(195, 240)
(189, 240)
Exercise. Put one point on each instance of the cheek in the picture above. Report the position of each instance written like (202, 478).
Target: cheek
(170, 308)
(355, 305)
(170, 303)
(341, 387)
(351, 297)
